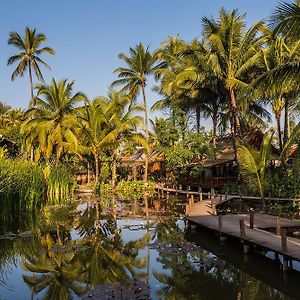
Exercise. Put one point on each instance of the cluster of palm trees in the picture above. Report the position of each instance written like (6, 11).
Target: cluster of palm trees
(232, 75)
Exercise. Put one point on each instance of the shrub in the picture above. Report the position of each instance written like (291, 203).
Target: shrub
(134, 190)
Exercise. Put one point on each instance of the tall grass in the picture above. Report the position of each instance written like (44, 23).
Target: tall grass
(27, 185)
(61, 185)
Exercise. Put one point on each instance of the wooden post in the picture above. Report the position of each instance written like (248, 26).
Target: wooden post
(240, 194)
(200, 196)
(186, 209)
(208, 195)
(278, 226)
(226, 196)
(214, 210)
(220, 222)
(242, 228)
(283, 240)
(251, 219)
(192, 199)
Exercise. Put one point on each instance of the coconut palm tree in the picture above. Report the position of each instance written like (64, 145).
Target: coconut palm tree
(28, 57)
(286, 19)
(103, 120)
(140, 64)
(50, 126)
(279, 52)
(232, 52)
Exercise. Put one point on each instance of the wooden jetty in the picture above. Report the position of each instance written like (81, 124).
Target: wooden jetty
(255, 230)
(250, 230)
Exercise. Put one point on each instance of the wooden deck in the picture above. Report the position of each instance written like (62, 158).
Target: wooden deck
(256, 236)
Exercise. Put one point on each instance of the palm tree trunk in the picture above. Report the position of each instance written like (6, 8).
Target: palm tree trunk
(146, 112)
(236, 121)
(198, 112)
(214, 132)
(279, 132)
(215, 124)
(31, 84)
(286, 130)
(96, 167)
(233, 136)
(146, 152)
(113, 177)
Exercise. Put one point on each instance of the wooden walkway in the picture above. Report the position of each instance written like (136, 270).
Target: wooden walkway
(231, 227)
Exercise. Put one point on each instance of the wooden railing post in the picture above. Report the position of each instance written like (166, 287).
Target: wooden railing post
(226, 196)
(283, 240)
(251, 219)
(278, 226)
(242, 229)
(192, 199)
(220, 220)
(200, 195)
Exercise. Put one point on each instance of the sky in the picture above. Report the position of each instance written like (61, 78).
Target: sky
(88, 35)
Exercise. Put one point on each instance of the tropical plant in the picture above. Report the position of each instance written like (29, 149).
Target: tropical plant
(102, 122)
(253, 163)
(50, 126)
(140, 64)
(29, 55)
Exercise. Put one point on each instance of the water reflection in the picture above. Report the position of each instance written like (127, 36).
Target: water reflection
(71, 249)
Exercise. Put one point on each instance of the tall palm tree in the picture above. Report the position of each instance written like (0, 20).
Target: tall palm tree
(140, 64)
(279, 52)
(50, 126)
(28, 57)
(232, 52)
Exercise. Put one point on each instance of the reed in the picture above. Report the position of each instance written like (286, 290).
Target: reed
(26, 185)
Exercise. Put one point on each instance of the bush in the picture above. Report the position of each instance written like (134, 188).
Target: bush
(134, 190)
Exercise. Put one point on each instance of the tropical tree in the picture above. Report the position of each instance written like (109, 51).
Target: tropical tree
(28, 57)
(253, 162)
(286, 19)
(50, 127)
(232, 53)
(140, 64)
(103, 120)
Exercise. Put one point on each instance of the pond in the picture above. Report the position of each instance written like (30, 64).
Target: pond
(82, 252)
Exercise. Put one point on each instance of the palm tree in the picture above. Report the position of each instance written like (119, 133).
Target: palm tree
(140, 64)
(50, 126)
(279, 52)
(29, 55)
(286, 19)
(253, 163)
(232, 53)
(103, 120)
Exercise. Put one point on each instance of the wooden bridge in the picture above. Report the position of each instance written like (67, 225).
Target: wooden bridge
(254, 230)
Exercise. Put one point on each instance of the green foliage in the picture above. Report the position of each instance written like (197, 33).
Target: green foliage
(134, 190)
(184, 152)
(253, 163)
(22, 184)
(60, 184)
(27, 185)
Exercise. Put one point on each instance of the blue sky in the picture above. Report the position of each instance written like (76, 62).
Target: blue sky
(88, 35)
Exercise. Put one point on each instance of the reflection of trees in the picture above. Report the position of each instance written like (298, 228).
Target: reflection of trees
(109, 258)
(59, 274)
(201, 275)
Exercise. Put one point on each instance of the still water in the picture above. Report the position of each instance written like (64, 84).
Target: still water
(65, 252)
